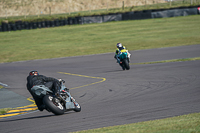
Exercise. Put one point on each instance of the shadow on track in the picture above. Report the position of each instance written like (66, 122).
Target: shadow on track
(112, 71)
(36, 117)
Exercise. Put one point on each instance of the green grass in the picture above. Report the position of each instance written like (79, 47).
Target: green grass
(89, 39)
(4, 110)
(166, 61)
(180, 124)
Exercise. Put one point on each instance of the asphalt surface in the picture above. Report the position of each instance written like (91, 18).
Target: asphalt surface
(108, 96)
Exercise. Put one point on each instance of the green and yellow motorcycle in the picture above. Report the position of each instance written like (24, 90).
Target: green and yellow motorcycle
(123, 60)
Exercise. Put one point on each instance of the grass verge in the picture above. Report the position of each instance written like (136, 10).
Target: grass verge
(89, 39)
(4, 110)
(166, 61)
(180, 124)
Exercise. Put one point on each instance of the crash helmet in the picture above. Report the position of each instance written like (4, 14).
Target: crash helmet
(34, 73)
(119, 45)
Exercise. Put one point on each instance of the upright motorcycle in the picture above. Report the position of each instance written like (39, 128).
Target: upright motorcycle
(123, 60)
(56, 104)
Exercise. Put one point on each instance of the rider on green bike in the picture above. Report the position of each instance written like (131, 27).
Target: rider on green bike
(119, 48)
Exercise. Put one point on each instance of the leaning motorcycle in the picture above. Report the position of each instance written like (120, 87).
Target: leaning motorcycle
(123, 60)
(56, 104)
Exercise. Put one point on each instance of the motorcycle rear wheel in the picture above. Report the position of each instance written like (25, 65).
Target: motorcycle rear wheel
(54, 107)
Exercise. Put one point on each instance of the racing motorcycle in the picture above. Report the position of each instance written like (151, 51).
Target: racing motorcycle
(56, 104)
(123, 60)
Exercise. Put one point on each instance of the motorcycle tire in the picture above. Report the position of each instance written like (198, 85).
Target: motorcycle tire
(55, 108)
(126, 64)
(77, 108)
(122, 65)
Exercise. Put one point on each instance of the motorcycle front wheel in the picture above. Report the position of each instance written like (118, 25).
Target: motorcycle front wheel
(77, 107)
(53, 105)
(126, 64)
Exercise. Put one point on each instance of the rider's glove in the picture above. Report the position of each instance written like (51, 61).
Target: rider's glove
(60, 80)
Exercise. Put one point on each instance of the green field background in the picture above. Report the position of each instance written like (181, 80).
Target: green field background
(76, 40)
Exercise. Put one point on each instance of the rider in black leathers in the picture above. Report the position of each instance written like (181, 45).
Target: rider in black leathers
(35, 79)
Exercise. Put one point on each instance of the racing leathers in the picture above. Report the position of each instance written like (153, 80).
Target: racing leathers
(49, 82)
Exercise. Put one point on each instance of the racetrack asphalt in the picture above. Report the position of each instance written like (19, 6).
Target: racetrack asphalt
(108, 95)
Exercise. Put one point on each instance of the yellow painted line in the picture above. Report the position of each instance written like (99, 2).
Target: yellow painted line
(7, 115)
(166, 61)
(20, 110)
(31, 100)
(102, 79)
(17, 112)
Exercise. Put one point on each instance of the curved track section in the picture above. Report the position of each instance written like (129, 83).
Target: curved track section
(145, 92)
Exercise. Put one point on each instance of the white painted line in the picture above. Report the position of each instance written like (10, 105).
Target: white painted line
(5, 85)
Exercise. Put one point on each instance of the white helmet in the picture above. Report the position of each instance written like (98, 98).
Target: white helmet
(119, 45)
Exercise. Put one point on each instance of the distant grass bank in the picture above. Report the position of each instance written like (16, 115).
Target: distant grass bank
(37, 10)
(180, 124)
(166, 61)
(89, 39)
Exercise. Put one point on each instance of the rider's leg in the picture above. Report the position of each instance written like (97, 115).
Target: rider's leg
(117, 57)
(39, 103)
(56, 88)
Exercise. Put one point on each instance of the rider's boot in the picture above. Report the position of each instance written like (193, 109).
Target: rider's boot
(42, 107)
